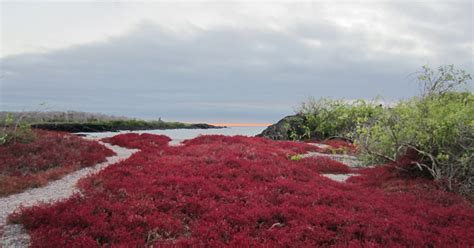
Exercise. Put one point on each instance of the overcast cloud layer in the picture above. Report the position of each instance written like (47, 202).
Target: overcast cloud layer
(222, 62)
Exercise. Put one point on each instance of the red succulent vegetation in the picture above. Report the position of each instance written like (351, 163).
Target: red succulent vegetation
(237, 191)
(324, 165)
(48, 157)
(138, 141)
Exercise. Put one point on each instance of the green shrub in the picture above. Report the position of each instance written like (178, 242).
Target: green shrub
(326, 118)
(15, 131)
(438, 126)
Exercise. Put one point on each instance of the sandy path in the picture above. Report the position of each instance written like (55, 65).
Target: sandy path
(14, 235)
(351, 161)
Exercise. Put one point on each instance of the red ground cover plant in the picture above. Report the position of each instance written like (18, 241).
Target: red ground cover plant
(264, 145)
(138, 141)
(324, 165)
(235, 191)
(50, 156)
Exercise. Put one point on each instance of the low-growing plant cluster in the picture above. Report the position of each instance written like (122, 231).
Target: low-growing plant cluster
(324, 165)
(216, 191)
(48, 157)
(138, 141)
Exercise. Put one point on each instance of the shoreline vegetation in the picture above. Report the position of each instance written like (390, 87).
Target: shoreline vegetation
(115, 126)
(76, 122)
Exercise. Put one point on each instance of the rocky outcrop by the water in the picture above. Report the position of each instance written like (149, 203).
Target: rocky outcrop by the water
(283, 129)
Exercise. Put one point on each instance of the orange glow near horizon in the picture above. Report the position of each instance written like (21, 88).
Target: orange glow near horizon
(240, 124)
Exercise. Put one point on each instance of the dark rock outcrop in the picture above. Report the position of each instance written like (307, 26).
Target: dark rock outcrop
(282, 129)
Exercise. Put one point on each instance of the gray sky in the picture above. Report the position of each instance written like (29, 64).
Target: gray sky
(232, 62)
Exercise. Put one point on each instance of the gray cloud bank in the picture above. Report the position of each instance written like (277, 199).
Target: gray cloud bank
(238, 74)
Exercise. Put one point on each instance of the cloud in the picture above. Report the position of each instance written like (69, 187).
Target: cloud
(253, 72)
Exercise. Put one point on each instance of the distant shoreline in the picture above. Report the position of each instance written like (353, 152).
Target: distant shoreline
(240, 124)
(77, 122)
(116, 126)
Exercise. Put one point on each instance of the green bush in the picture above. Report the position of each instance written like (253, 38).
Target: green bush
(438, 126)
(15, 131)
(326, 118)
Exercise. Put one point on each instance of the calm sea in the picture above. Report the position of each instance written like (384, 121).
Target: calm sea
(182, 134)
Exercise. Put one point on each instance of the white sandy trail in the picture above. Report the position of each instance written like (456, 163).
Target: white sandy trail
(351, 161)
(14, 235)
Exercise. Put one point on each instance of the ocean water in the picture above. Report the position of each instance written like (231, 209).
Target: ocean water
(178, 135)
